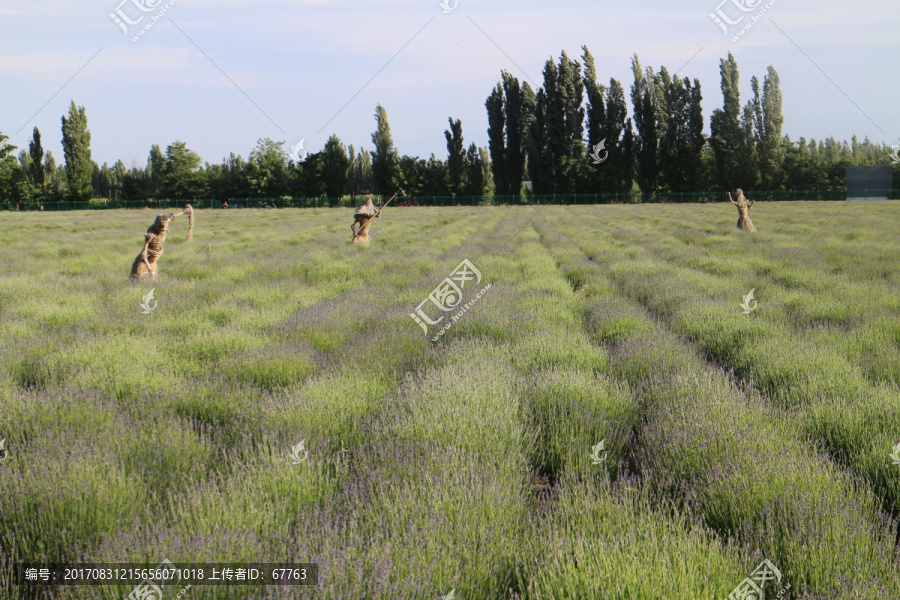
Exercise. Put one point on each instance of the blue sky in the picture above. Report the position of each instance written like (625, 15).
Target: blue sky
(284, 68)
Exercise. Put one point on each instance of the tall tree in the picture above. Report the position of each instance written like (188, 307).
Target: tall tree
(10, 172)
(312, 183)
(682, 141)
(646, 97)
(180, 176)
(474, 172)
(36, 151)
(411, 174)
(620, 141)
(510, 109)
(76, 142)
(596, 124)
(434, 177)
(361, 179)
(540, 160)
(6, 149)
(767, 122)
(749, 163)
(385, 156)
(335, 167)
(266, 171)
(556, 144)
(487, 173)
(607, 122)
(497, 137)
(731, 147)
(518, 107)
(456, 157)
(155, 166)
(54, 177)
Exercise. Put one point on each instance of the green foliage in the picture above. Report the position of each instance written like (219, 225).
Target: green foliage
(181, 177)
(558, 129)
(767, 122)
(36, 153)
(361, 180)
(456, 157)
(266, 171)
(76, 142)
(385, 157)
(646, 98)
(731, 138)
(681, 143)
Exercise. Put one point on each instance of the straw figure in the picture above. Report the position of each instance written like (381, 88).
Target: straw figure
(363, 217)
(144, 266)
(743, 205)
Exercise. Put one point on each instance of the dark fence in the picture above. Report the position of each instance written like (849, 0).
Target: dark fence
(530, 199)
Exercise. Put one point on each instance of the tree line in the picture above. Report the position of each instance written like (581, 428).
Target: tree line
(572, 135)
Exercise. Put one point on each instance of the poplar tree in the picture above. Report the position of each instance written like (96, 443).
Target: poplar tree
(681, 141)
(335, 167)
(384, 157)
(646, 98)
(456, 157)
(496, 137)
(76, 142)
(37, 158)
(731, 138)
(767, 122)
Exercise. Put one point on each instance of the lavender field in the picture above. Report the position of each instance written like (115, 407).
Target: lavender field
(735, 429)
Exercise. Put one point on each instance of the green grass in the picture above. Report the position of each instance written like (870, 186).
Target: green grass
(463, 463)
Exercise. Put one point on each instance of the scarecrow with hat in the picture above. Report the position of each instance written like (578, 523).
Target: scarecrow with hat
(144, 266)
(363, 218)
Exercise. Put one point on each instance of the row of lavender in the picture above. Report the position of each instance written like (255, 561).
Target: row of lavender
(747, 452)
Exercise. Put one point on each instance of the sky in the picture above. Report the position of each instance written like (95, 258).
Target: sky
(221, 74)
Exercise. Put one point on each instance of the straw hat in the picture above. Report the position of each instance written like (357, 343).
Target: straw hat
(367, 209)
